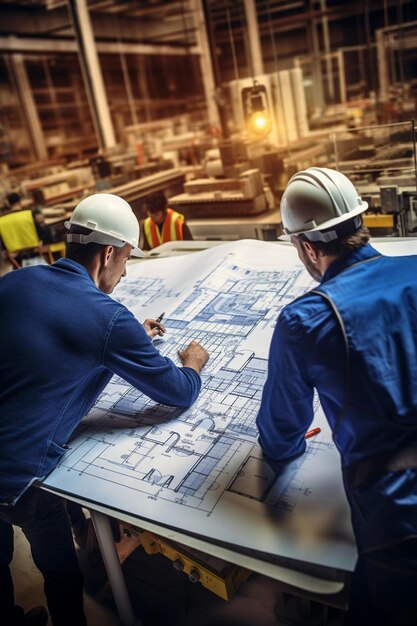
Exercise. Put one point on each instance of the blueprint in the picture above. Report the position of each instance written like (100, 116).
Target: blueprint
(201, 470)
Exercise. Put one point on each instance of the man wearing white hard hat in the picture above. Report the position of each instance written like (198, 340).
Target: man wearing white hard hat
(354, 340)
(62, 337)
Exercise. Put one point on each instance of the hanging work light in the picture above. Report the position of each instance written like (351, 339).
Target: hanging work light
(255, 107)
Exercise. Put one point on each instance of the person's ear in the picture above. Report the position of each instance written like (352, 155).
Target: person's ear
(311, 250)
(106, 254)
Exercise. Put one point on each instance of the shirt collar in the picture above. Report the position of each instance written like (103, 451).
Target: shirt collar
(337, 266)
(73, 266)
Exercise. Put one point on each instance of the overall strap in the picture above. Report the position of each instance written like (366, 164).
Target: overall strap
(341, 324)
(342, 327)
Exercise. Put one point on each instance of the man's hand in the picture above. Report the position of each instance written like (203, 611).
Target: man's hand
(153, 328)
(194, 356)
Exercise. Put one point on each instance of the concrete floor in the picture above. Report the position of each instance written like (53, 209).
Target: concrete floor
(5, 266)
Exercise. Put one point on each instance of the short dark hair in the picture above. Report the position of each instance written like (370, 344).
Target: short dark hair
(81, 252)
(156, 202)
(341, 247)
(13, 198)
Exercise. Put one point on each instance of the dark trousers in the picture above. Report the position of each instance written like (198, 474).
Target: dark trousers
(76, 515)
(384, 587)
(44, 521)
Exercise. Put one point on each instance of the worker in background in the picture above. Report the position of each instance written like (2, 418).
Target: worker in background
(18, 234)
(354, 340)
(15, 204)
(62, 337)
(162, 224)
(14, 201)
(45, 234)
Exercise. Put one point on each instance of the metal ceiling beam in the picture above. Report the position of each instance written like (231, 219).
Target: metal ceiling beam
(156, 11)
(31, 21)
(17, 64)
(206, 65)
(254, 40)
(31, 45)
(91, 70)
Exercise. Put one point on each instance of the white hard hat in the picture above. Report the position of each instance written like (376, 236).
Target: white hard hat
(317, 201)
(111, 220)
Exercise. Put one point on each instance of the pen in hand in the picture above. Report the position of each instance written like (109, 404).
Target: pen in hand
(154, 328)
(161, 329)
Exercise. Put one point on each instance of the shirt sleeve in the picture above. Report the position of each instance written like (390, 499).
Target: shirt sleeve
(286, 409)
(130, 353)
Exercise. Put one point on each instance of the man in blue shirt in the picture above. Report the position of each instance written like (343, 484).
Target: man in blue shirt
(354, 340)
(62, 337)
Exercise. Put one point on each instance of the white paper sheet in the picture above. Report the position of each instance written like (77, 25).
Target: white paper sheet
(201, 470)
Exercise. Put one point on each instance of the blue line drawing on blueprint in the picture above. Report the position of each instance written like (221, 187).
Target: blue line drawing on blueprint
(144, 291)
(204, 439)
(156, 461)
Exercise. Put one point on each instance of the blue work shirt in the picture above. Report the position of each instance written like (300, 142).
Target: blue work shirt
(61, 340)
(354, 339)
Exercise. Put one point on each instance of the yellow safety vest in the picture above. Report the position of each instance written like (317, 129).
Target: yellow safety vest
(18, 231)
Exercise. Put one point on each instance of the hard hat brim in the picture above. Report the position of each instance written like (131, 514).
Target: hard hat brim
(333, 222)
(104, 239)
(137, 253)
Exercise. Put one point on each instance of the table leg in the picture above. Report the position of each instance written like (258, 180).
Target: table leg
(117, 582)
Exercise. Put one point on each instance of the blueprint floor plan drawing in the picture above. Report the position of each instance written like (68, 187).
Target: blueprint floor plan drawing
(201, 470)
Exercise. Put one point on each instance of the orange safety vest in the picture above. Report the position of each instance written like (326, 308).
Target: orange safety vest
(171, 229)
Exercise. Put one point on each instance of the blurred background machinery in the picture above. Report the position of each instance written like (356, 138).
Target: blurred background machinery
(215, 103)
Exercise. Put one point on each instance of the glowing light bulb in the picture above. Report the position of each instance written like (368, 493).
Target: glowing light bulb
(255, 107)
(260, 123)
